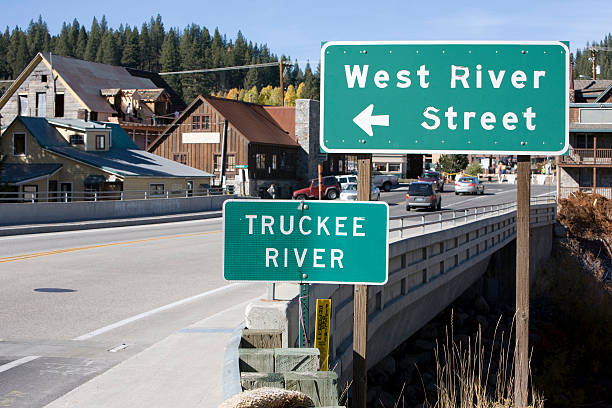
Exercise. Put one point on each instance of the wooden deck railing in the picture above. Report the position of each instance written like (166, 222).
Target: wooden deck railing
(588, 156)
(565, 192)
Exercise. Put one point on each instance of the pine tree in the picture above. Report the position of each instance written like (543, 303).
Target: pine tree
(170, 60)
(146, 51)
(157, 34)
(309, 83)
(81, 44)
(16, 54)
(131, 49)
(73, 37)
(63, 44)
(5, 72)
(93, 41)
(108, 49)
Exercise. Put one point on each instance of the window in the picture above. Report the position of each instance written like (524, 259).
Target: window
(41, 104)
(394, 167)
(77, 139)
(59, 105)
(43, 78)
(380, 166)
(19, 147)
(23, 105)
(231, 162)
(283, 160)
(30, 193)
(260, 161)
(329, 181)
(156, 189)
(180, 157)
(206, 122)
(218, 162)
(273, 162)
(195, 122)
(100, 142)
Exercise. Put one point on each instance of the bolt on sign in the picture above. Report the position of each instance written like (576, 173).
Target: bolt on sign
(306, 241)
(445, 97)
(322, 320)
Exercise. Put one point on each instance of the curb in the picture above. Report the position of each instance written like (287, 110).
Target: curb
(95, 224)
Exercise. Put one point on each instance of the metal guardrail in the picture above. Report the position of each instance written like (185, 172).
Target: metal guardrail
(71, 196)
(455, 217)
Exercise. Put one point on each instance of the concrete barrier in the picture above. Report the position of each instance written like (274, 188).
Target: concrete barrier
(45, 212)
(426, 274)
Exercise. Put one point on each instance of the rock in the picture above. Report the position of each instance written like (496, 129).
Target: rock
(481, 305)
(425, 345)
(268, 398)
(387, 365)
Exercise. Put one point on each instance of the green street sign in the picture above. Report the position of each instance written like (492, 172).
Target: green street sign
(445, 97)
(306, 241)
(241, 166)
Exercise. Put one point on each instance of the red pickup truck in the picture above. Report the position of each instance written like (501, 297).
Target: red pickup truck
(331, 189)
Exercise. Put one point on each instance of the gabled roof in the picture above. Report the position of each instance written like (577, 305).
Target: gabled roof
(604, 93)
(589, 90)
(88, 81)
(123, 157)
(87, 78)
(252, 120)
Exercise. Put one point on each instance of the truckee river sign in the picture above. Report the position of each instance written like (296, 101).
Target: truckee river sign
(445, 97)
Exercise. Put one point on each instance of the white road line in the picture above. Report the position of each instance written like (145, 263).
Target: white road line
(548, 193)
(470, 199)
(16, 363)
(154, 311)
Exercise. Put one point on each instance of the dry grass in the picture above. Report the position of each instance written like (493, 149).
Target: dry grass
(463, 372)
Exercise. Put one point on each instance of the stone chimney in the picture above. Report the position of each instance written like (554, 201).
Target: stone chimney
(307, 119)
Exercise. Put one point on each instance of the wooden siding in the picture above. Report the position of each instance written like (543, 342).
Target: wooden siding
(202, 155)
(32, 85)
(574, 115)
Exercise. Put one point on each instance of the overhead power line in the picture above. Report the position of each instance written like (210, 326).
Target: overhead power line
(237, 67)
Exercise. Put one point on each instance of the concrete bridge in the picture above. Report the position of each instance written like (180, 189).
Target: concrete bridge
(431, 263)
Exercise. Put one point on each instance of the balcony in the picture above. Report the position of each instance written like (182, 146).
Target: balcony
(566, 192)
(588, 157)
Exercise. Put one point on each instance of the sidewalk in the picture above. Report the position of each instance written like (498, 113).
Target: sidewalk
(196, 367)
(106, 223)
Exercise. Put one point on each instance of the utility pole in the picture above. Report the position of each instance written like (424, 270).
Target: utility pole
(594, 63)
(521, 350)
(282, 87)
(360, 299)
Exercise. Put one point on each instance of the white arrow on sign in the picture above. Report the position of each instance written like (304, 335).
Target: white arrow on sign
(365, 120)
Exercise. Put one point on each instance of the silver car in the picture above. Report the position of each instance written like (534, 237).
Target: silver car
(468, 185)
(350, 192)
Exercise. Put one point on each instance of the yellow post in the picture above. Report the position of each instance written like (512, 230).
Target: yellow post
(322, 320)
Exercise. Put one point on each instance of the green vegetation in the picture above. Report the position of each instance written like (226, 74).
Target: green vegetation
(473, 169)
(604, 58)
(152, 48)
(452, 163)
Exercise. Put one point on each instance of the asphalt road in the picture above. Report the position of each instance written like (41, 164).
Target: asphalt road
(73, 304)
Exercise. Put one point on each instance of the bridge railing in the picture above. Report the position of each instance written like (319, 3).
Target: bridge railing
(70, 196)
(427, 272)
(404, 226)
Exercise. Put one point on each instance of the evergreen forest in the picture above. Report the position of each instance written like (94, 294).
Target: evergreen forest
(583, 65)
(152, 47)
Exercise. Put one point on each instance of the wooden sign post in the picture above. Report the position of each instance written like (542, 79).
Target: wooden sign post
(521, 351)
(360, 300)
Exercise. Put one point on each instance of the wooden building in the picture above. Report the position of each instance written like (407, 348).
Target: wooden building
(58, 159)
(587, 165)
(54, 86)
(258, 151)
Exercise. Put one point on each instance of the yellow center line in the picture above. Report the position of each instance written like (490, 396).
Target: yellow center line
(63, 251)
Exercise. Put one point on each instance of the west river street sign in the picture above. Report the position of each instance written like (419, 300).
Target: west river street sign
(445, 97)
(307, 242)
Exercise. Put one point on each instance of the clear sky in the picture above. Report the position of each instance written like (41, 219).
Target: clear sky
(296, 28)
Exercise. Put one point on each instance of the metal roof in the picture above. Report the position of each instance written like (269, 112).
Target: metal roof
(19, 173)
(77, 124)
(123, 157)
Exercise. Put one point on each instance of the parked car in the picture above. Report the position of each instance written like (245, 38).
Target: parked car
(433, 177)
(384, 181)
(423, 195)
(350, 192)
(331, 189)
(346, 179)
(468, 185)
